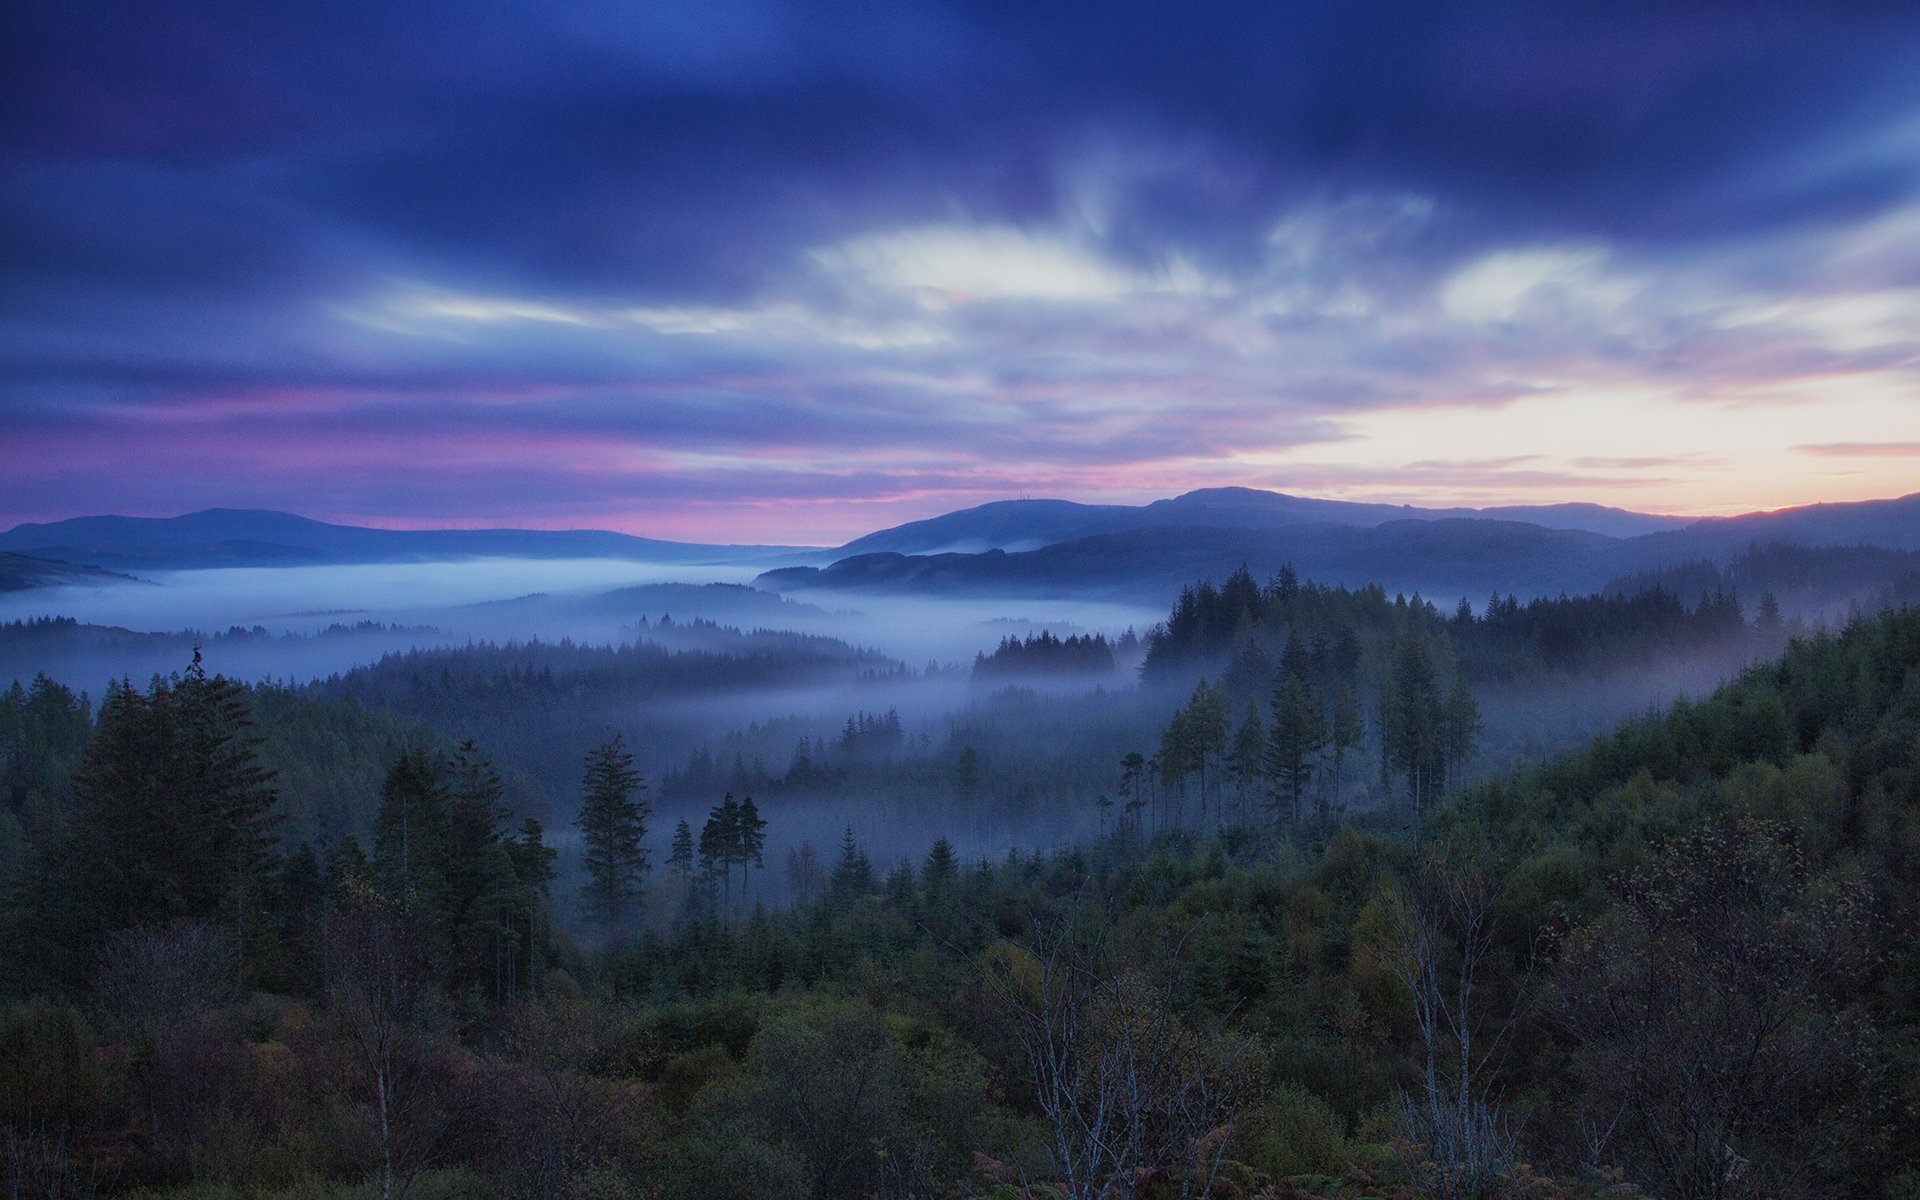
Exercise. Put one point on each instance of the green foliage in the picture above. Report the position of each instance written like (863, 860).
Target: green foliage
(1740, 874)
(173, 819)
(613, 829)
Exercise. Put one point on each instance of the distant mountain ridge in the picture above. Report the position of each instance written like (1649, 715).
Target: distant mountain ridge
(1050, 546)
(19, 572)
(1447, 556)
(226, 537)
(1018, 525)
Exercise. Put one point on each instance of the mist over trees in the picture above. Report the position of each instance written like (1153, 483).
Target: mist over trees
(1296, 912)
(1675, 959)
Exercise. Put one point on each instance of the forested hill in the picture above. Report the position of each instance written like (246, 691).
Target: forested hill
(541, 705)
(226, 537)
(19, 572)
(1681, 962)
(1435, 553)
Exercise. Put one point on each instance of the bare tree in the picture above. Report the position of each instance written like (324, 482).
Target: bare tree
(1444, 956)
(550, 1120)
(1127, 1089)
(1721, 1051)
(157, 975)
(378, 991)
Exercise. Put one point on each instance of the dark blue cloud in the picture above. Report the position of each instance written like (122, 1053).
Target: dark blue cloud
(205, 201)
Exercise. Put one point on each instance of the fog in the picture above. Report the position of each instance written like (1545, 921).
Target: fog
(754, 707)
(587, 600)
(304, 599)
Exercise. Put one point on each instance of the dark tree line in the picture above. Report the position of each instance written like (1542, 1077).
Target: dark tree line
(1426, 729)
(1043, 654)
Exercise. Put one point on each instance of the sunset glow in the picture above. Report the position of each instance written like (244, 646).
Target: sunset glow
(775, 275)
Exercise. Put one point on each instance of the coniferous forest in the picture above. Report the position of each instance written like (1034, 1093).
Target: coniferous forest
(319, 941)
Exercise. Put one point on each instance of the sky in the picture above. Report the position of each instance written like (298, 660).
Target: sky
(790, 272)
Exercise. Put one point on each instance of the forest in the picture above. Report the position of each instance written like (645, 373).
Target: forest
(442, 927)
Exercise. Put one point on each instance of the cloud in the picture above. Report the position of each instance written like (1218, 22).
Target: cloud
(1561, 281)
(1862, 449)
(878, 255)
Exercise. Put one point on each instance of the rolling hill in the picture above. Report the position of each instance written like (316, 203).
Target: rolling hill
(225, 537)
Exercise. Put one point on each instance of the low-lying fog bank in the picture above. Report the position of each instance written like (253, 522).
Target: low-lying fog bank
(594, 601)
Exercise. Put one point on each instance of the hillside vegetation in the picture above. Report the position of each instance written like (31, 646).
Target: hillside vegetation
(1682, 961)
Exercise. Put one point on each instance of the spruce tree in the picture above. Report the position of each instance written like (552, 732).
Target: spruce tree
(1296, 735)
(172, 818)
(1249, 755)
(410, 833)
(680, 857)
(613, 828)
(1345, 733)
(481, 884)
(752, 833)
(941, 870)
(720, 843)
(853, 873)
(533, 867)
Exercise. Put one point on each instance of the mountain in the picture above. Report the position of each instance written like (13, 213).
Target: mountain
(1446, 558)
(1208, 534)
(1001, 525)
(1017, 525)
(227, 537)
(18, 572)
(1894, 524)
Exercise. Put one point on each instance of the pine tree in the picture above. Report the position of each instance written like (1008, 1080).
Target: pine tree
(172, 818)
(942, 868)
(613, 827)
(1133, 775)
(1297, 732)
(1410, 719)
(533, 867)
(720, 843)
(967, 773)
(1460, 729)
(478, 884)
(233, 792)
(1249, 755)
(410, 833)
(752, 835)
(1293, 657)
(853, 873)
(1206, 734)
(680, 858)
(1345, 733)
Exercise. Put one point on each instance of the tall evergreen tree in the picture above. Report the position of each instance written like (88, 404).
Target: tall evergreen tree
(1297, 732)
(613, 829)
(173, 818)
(481, 896)
(410, 833)
(1248, 761)
(1344, 733)
(720, 843)
(938, 876)
(752, 839)
(680, 858)
(853, 873)
(233, 793)
(1460, 729)
(1410, 714)
(533, 867)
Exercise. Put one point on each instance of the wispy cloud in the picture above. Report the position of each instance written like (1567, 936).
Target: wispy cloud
(507, 264)
(1862, 449)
